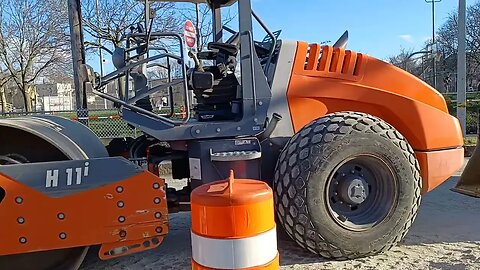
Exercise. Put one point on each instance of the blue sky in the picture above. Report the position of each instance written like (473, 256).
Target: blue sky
(377, 27)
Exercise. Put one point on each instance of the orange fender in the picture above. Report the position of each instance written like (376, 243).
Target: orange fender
(118, 216)
(327, 80)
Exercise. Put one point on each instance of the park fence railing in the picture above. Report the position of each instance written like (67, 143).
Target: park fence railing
(106, 124)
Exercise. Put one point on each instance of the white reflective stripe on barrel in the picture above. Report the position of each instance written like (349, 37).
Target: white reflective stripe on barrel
(237, 253)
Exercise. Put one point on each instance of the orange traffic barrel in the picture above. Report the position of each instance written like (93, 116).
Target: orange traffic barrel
(183, 112)
(233, 226)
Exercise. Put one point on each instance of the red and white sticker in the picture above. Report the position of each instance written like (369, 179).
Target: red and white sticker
(190, 34)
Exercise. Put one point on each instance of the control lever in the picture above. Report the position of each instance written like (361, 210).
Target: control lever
(198, 63)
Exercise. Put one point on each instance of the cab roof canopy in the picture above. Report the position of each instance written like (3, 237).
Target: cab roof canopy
(215, 3)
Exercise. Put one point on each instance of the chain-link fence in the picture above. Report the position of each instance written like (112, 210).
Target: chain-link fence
(106, 124)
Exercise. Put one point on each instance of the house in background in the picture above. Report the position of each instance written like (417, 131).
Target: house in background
(97, 103)
(55, 97)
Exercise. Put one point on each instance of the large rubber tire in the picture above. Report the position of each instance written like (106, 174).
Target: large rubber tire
(304, 174)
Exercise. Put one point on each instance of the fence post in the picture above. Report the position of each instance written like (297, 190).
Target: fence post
(478, 125)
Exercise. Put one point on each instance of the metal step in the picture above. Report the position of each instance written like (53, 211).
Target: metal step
(235, 156)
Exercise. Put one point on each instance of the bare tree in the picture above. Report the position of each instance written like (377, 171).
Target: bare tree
(33, 38)
(402, 59)
(447, 45)
(117, 17)
(4, 79)
(204, 23)
(447, 41)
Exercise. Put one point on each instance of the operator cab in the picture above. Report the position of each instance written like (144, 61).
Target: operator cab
(225, 93)
(215, 86)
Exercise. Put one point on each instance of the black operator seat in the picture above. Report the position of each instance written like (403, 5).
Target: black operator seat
(215, 86)
(224, 85)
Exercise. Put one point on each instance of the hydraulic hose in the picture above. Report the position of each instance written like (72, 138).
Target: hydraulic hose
(272, 125)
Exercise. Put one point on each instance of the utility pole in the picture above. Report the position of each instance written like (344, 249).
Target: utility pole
(434, 44)
(100, 50)
(197, 25)
(462, 66)
(78, 56)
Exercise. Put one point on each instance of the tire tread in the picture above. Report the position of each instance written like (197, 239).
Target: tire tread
(290, 191)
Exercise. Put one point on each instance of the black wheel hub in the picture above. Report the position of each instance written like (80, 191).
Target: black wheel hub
(361, 192)
(353, 190)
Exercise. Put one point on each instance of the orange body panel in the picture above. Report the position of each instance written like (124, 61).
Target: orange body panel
(88, 218)
(337, 80)
(437, 166)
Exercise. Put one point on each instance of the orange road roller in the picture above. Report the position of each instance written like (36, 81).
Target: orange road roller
(348, 143)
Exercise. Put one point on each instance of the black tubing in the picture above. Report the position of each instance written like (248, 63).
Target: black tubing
(270, 127)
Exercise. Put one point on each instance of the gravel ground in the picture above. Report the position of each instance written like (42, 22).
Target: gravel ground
(446, 235)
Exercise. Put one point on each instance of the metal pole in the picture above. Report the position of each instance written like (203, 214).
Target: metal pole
(197, 10)
(434, 49)
(78, 56)
(147, 14)
(217, 24)
(147, 27)
(100, 50)
(462, 66)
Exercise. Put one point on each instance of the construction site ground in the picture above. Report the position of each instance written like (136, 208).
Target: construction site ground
(446, 235)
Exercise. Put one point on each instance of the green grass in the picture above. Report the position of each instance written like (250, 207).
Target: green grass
(470, 141)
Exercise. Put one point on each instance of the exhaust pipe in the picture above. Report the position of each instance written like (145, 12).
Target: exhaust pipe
(342, 42)
(270, 127)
